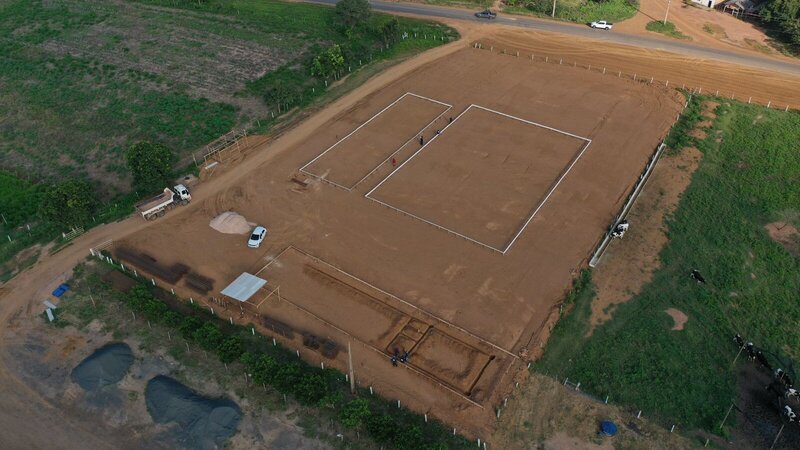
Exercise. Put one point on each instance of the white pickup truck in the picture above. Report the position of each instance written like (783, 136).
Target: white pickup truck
(601, 24)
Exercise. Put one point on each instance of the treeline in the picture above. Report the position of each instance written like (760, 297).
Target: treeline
(311, 386)
(358, 37)
(77, 202)
(785, 16)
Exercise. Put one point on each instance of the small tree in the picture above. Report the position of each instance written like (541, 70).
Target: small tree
(353, 13)
(150, 165)
(279, 94)
(329, 62)
(69, 203)
(390, 31)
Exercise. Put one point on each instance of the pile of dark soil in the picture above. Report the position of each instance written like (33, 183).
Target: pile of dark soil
(204, 422)
(107, 365)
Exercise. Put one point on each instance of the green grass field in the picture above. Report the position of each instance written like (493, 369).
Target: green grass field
(80, 80)
(579, 11)
(750, 178)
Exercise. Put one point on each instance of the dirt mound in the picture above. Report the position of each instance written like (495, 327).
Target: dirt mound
(786, 235)
(230, 222)
(679, 317)
(107, 365)
(205, 422)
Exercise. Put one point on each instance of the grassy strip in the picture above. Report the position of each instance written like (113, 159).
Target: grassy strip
(579, 11)
(746, 179)
(323, 390)
(667, 29)
(678, 137)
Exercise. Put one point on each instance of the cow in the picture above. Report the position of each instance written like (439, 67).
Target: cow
(763, 360)
(791, 392)
(789, 413)
(781, 376)
(751, 350)
(620, 229)
(739, 341)
(694, 274)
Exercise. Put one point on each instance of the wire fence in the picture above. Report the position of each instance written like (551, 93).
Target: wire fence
(633, 76)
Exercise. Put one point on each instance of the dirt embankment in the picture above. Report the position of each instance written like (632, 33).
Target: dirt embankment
(743, 83)
(629, 263)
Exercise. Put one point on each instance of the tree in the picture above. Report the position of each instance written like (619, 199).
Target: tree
(150, 165)
(279, 94)
(785, 14)
(353, 13)
(390, 31)
(328, 63)
(69, 203)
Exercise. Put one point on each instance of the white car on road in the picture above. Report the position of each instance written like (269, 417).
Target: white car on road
(601, 24)
(258, 235)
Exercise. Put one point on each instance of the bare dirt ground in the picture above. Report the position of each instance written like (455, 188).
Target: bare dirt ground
(785, 234)
(679, 317)
(744, 84)
(502, 300)
(544, 414)
(708, 27)
(615, 282)
(24, 409)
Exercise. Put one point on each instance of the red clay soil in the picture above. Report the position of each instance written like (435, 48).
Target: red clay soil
(504, 299)
(759, 86)
(501, 301)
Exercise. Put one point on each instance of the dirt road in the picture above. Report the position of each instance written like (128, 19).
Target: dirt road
(28, 413)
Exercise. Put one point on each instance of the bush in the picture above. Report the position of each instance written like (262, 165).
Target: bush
(150, 165)
(355, 413)
(353, 13)
(69, 203)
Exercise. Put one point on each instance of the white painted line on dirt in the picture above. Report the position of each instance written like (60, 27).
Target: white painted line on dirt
(546, 197)
(527, 221)
(389, 294)
(323, 178)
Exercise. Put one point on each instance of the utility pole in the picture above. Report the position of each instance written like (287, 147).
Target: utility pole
(350, 363)
(666, 14)
(554, 9)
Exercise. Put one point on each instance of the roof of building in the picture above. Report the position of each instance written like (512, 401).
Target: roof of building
(243, 287)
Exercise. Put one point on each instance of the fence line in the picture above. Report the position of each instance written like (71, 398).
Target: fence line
(638, 77)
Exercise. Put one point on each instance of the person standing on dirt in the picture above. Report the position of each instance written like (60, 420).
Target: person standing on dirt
(394, 162)
(421, 140)
(394, 358)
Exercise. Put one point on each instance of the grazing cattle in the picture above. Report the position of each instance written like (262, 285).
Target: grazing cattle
(697, 277)
(783, 377)
(791, 392)
(620, 229)
(789, 413)
(763, 360)
(739, 341)
(751, 350)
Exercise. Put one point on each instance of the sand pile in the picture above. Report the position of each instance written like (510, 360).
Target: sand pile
(230, 222)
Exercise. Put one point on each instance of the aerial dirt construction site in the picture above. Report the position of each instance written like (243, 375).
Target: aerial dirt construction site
(442, 217)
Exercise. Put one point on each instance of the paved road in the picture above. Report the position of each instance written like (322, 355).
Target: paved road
(586, 32)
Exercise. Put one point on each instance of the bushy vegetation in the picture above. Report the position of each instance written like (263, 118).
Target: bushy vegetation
(274, 366)
(668, 29)
(746, 179)
(150, 165)
(785, 15)
(580, 11)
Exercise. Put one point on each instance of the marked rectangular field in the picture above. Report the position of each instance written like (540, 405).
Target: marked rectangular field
(355, 156)
(463, 182)
(440, 351)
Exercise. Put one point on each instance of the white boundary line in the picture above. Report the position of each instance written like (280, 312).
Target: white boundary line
(303, 169)
(529, 219)
(389, 294)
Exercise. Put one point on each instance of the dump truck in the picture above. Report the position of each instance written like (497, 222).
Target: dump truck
(158, 205)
